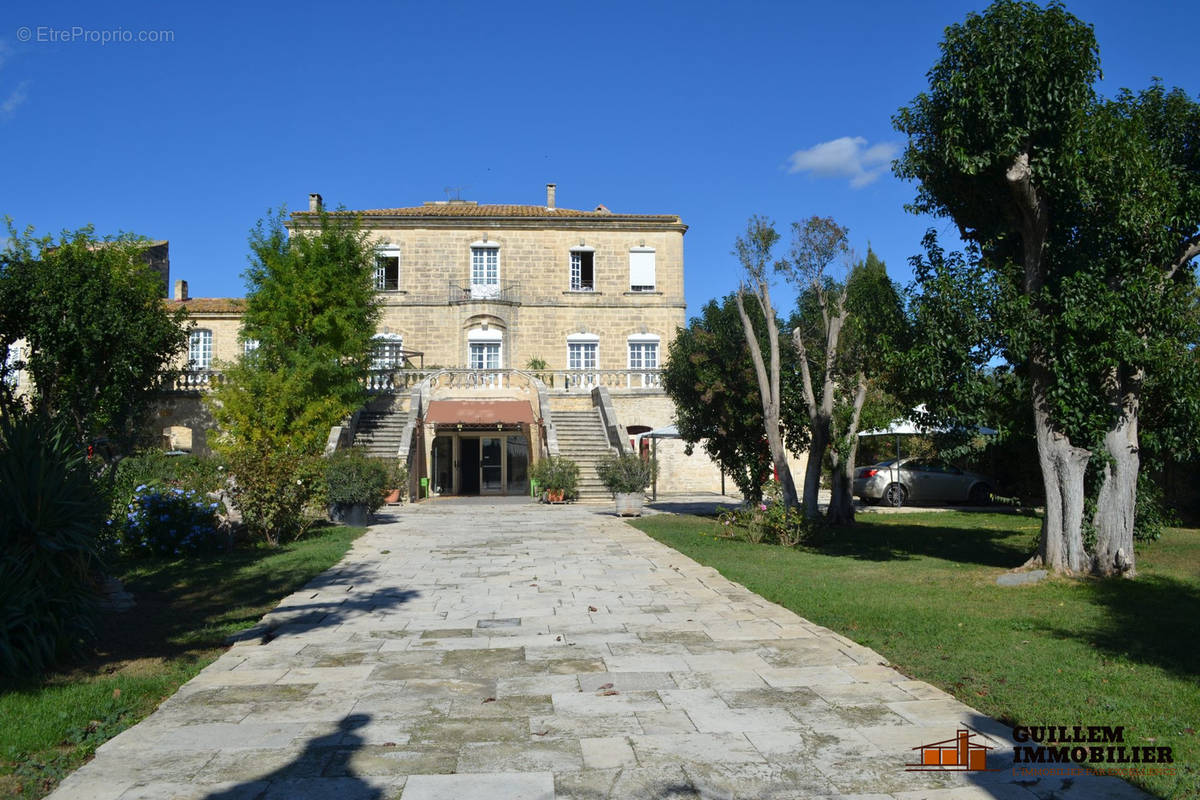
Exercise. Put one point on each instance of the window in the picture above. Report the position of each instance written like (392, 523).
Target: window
(583, 272)
(582, 357)
(388, 352)
(200, 345)
(249, 346)
(641, 269)
(643, 355)
(485, 355)
(485, 270)
(387, 269)
(483, 348)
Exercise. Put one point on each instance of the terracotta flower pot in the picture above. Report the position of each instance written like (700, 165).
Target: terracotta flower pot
(555, 495)
(392, 497)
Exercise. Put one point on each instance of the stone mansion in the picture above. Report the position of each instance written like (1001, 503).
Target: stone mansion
(506, 333)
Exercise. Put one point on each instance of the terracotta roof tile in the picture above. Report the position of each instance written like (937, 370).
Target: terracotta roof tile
(210, 305)
(473, 210)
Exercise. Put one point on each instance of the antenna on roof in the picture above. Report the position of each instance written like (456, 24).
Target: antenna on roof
(454, 190)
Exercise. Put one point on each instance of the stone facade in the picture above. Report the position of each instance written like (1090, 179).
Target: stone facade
(534, 279)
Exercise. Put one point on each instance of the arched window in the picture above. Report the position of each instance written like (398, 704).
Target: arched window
(388, 351)
(484, 348)
(200, 349)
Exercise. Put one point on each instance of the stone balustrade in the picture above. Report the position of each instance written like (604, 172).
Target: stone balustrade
(401, 380)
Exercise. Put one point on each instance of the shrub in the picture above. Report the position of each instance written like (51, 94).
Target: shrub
(272, 487)
(354, 479)
(768, 522)
(397, 478)
(626, 474)
(157, 469)
(50, 514)
(556, 473)
(167, 522)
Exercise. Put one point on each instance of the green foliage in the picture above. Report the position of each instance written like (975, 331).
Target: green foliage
(273, 487)
(312, 307)
(627, 473)
(710, 379)
(535, 364)
(767, 521)
(556, 473)
(166, 522)
(100, 339)
(352, 478)
(1015, 79)
(157, 469)
(50, 515)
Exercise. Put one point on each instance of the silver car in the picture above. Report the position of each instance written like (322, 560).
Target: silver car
(916, 480)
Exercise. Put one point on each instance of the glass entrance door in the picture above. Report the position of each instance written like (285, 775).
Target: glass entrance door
(491, 465)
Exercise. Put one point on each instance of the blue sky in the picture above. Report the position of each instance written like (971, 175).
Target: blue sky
(694, 108)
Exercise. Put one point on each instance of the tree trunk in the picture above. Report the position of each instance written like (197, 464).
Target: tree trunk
(841, 501)
(1115, 505)
(1063, 465)
(818, 444)
(768, 388)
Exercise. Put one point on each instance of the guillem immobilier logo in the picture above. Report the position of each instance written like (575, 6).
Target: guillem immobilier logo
(1050, 750)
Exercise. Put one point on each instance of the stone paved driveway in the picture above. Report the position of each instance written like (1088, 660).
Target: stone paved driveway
(496, 651)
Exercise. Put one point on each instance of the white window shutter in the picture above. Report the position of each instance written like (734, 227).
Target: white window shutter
(641, 268)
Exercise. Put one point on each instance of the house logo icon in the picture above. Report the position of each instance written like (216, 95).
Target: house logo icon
(959, 754)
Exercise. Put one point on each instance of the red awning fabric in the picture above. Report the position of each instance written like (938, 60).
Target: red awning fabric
(479, 412)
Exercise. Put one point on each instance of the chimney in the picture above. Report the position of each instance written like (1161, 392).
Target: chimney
(314, 203)
(181, 290)
(550, 195)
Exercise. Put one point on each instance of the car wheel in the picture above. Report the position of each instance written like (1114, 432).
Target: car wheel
(895, 495)
(980, 495)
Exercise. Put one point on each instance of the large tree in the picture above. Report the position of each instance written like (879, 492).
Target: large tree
(1086, 214)
(754, 250)
(1137, 234)
(99, 339)
(312, 308)
(706, 373)
(994, 145)
(847, 335)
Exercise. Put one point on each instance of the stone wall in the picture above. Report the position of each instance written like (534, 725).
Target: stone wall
(181, 421)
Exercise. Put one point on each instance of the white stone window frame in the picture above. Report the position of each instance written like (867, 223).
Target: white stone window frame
(582, 373)
(643, 268)
(386, 349)
(639, 373)
(249, 346)
(485, 338)
(200, 348)
(485, 269)
(575, 269)
(380, 277)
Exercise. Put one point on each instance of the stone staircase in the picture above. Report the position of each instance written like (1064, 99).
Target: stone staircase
(581, 438)
(379, 432)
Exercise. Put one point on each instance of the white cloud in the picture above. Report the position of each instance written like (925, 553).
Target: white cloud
(14, 100)
(847, 157)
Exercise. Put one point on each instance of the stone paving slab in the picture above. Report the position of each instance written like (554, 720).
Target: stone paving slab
(513, 651)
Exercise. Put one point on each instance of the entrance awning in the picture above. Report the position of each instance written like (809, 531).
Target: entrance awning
(479, 412)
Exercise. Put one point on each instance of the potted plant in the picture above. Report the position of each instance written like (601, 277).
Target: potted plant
(356, 486)
(557, 476)
(627, 477)
(397, 482)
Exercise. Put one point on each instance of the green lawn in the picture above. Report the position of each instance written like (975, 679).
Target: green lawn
(920, 589)
(186, 609)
